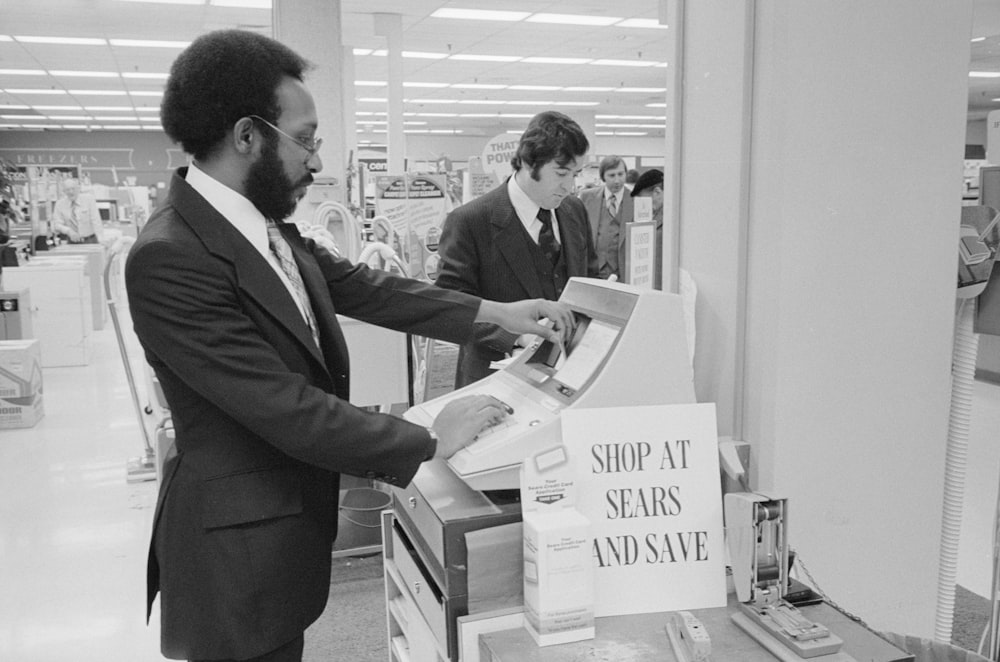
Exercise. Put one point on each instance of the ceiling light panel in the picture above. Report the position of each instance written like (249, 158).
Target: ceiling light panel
(67, 41)
(480, 14)
(573, 19)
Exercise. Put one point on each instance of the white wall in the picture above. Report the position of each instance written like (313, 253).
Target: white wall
(854, 173)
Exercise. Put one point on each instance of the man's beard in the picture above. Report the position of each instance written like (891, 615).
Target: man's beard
(268, 187)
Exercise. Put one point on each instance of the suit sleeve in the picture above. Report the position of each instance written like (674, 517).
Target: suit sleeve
(461, 269)
(232, 381)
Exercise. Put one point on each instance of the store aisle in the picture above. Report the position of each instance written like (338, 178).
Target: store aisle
(73, 532)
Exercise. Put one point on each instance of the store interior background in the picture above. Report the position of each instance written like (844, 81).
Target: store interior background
(815, 158)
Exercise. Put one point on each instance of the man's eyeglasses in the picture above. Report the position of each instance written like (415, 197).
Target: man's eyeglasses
(311, 147)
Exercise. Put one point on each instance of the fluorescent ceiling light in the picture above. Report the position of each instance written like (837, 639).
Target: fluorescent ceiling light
(984, 74)
(478, 86)
(373, 100)
(20, 117)
(370, 83)
(30, 91)
(478, 115)
(615, 125)
(148, 93)
(71, 41)
(362, 51)
(123, 127)
(658, 104)
(556, 60)
(435, 114)
(169, 2)
(575, 103)
(480, 14)
(446, 131)
(379, 52)
(74, 126)
(68, 118)
(975, 39)
(535, 88)
(113, 118)
(148, 43)
(39, 126)
(106, 108)
(57, 107)
(149, 76)
(85, 74)
(482, 102)
(13, 106)
(485, 58)
(516, 115)
(152, 127)
(631, 117)
(418, 84)
(431, 100)
(529, 103)
(630, 133)
(23, 72)
(100, 93)
(587, 89)
(623, 63)
(244, 4)
(424, 56)
(649, 90)
(641, 23)
(4, 37)
(147, 110)
(573, 19)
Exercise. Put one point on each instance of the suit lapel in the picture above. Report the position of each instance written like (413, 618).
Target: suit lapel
(253, 274)
(512, 242)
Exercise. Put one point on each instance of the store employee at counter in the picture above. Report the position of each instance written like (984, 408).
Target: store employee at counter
(75, 216)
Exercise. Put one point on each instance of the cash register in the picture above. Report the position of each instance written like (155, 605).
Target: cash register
(629, 348)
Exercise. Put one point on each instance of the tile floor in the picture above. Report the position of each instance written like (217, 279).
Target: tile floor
(73, 532)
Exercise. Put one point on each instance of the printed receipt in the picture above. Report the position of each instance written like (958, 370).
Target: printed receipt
(585, 358)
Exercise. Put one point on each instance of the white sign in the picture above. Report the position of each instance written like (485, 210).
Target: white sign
(640, 254)
(497, 155)
(993, 137)
(647, 478)
(642, 207)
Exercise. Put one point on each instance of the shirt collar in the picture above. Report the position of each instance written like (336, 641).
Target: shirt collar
(234, 207)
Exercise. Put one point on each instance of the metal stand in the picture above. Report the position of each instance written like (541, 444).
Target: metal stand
(994, 624)
(141, 468)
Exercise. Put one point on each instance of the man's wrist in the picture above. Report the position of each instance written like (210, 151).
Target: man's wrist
(435, 440)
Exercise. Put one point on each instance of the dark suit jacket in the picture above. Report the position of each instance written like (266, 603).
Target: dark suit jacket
(484, 250)
(247, 510)
(593, 202)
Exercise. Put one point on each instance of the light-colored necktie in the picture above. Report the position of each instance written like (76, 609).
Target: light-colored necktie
(283, 252)
(613, 205)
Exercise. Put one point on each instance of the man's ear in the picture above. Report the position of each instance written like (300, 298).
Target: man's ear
(243, 135)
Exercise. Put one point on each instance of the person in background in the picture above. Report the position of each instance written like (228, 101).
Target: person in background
(524, 239)
(237, 315)
(650, 185)
(609, 208)
(631, 177)
(75, 217)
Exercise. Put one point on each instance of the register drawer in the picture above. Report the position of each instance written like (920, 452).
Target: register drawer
(419, 583)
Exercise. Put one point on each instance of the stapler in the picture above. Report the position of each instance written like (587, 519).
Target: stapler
(756, 538)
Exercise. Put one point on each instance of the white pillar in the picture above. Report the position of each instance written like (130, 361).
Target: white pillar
(312, 29)
(832, 194)
(390, 26)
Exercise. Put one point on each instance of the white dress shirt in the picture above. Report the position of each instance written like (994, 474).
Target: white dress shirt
(527, 211)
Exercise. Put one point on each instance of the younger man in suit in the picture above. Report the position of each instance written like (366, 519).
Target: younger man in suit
(522, 240)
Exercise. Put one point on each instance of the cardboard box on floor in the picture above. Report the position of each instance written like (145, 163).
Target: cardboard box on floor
(20, 383)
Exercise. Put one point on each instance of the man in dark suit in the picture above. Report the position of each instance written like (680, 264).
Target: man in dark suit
(236, 313)
(506, 246)
(609, 209)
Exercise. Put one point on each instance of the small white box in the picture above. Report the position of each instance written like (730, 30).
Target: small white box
(558, 576)
(20, 368)
(21, 412)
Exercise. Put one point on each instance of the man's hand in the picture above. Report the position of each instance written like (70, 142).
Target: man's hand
(525, 317)
(462, 419)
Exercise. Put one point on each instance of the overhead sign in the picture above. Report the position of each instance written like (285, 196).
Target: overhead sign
(497, 155)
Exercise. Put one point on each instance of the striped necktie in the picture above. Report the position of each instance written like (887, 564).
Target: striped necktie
(283, 252)
(547, 237)
(613, 205)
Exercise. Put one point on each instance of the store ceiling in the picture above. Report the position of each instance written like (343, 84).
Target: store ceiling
(45, 84)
